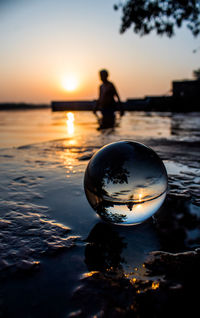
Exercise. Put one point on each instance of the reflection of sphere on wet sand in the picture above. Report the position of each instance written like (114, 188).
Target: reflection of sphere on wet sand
(125, 182)
(104, 251)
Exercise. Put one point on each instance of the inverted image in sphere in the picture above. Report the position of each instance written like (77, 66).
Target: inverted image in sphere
(125, 182)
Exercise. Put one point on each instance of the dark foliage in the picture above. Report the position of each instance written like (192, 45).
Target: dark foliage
(163, 16)
(196, 74)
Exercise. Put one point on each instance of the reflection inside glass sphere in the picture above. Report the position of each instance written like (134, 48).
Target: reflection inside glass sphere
(125, 182)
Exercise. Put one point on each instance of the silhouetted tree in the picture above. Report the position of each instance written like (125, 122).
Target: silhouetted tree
(116, 173)
(108, 216)
(163, 16)
(196, 74)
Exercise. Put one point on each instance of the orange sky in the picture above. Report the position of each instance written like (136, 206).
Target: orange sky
(43, 42)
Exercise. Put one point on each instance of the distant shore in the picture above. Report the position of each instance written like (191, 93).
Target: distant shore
(19, 106)
(148, 103)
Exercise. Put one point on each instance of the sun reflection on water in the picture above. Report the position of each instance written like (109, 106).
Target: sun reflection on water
(140, 197)
(70, 123)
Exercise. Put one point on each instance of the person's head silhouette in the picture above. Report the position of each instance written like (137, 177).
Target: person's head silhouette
(104, 75)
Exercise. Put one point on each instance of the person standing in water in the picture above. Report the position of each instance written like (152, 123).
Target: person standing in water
(106, 102)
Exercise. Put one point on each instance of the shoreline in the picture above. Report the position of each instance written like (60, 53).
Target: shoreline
(22, 106)
(148, 104)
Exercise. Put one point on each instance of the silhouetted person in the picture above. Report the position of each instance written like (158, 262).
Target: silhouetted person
(106, 102)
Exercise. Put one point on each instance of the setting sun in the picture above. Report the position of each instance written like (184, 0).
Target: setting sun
(70, 83)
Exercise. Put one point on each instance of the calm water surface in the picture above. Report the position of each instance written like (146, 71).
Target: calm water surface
(24, 127)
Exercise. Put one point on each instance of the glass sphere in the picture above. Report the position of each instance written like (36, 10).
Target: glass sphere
(125, 182)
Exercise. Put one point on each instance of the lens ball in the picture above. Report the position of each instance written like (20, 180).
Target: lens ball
(125, 182)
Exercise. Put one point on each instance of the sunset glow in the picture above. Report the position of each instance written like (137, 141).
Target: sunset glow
(70, 83)
(140, 197)
(61, 52)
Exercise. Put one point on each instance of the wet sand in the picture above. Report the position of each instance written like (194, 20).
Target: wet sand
(57, 255)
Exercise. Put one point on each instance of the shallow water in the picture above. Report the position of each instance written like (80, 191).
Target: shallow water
(51, 239)
(22, 127)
